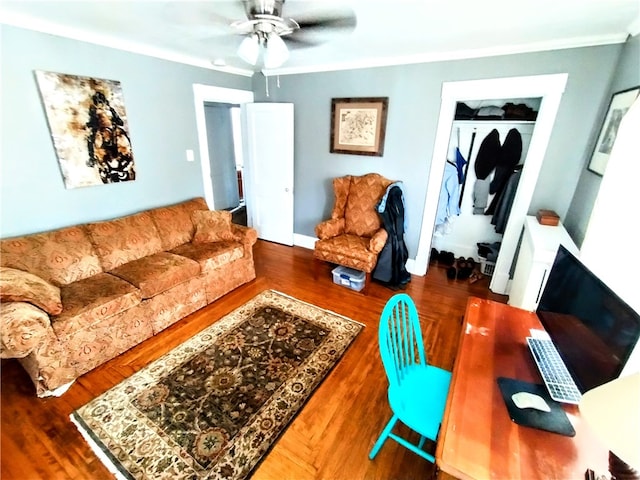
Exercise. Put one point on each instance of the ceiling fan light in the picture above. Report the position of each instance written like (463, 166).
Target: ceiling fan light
(276, 51)
(249, 49)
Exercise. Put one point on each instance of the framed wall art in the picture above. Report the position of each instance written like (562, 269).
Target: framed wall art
(620, 103)
(358, 125)
(89, 128)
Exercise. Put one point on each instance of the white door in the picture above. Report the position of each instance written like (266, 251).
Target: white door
(269, 169)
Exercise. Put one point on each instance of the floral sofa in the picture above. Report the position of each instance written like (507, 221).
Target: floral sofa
(79, 296)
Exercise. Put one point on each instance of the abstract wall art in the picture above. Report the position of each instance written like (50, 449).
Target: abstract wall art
(89, 128)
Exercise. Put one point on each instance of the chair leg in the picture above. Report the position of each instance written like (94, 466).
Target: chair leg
(383, 436)
(367, 282)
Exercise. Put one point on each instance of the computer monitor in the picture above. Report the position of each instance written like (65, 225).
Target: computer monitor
(591, 327)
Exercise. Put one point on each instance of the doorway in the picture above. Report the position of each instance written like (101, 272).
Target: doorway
(549, 88)
(267, 146)
(226, 158)
(202, 95)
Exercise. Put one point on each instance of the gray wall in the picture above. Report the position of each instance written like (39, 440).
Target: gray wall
(626, 75)
(414, 103)
(160, 109)
(159, 101)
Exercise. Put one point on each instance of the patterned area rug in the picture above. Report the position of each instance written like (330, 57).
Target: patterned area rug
(212, 407)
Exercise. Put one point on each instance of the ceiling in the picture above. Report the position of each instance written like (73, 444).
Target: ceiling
(388, 32)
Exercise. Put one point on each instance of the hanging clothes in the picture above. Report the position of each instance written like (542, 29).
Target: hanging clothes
(485, 163)
(449, 195)
(509, 157)
(460, 163)
(505, 201)
(391, 267)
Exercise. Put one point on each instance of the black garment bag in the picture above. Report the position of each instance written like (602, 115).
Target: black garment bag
(391, 267)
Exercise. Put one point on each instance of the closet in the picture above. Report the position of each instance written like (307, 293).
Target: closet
(466, 212)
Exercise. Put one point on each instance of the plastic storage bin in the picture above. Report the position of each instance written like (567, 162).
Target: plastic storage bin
(487, 267)
(348, 277)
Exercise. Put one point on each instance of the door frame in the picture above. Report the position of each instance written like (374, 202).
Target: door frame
(547, 87)
(208, 93)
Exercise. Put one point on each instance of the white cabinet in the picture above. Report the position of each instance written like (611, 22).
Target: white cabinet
(537, 253)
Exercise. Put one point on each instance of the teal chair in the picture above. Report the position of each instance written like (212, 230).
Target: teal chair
(417, 391)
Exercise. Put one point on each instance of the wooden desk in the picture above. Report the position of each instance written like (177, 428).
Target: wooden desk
(478, 440)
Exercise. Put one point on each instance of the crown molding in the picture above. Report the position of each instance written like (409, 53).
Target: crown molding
(454, 55)
(30, 23)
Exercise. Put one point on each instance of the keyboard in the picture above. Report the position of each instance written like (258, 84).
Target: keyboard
(556, 377)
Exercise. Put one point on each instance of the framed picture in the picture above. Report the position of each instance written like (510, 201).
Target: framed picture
(358, 125)
(89, 128)
(620, 103)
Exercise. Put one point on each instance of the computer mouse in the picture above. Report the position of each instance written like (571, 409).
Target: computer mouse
(530, 400)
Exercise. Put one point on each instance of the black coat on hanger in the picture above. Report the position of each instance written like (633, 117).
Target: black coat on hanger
(391, 267)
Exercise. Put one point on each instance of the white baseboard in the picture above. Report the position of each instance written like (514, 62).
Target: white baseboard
(306, 241)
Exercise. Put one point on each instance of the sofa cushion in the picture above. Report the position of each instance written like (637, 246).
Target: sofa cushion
(210, 255)
(174, 222)
(156, 273)
(211, 226)
(20, 286)
(92, 300)
(61, 256)
(124, 239)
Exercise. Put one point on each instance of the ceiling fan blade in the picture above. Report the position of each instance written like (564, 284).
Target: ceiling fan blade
(317, 30)
(295, 42)
(343, 24)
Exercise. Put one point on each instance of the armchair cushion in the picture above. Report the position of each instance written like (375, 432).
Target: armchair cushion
(212, 226)
(349, 250)
(20, 286)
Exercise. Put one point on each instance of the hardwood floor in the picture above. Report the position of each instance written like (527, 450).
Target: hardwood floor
(329, 439)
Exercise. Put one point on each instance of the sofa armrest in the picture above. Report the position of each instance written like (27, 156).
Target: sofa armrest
(20, 286)
(245, 235)
(330, 228)
(23, 327)
(378, 241)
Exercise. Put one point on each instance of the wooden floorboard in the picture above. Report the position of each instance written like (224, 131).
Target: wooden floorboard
(332, 435)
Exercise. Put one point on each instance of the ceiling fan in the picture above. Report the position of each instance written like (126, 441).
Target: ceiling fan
(269, 35)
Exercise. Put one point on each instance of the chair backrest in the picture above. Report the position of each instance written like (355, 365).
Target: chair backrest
(356, 198)
(400, 337)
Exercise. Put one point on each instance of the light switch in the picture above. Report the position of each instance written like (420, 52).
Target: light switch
(190, 156)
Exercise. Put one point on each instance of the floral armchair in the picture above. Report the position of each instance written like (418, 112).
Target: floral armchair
(353, 236)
